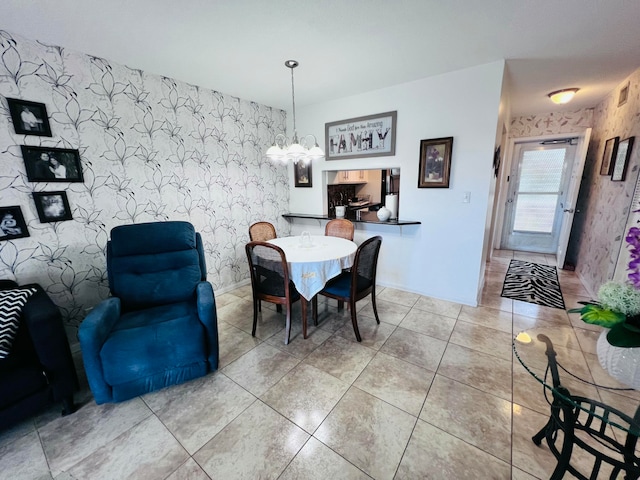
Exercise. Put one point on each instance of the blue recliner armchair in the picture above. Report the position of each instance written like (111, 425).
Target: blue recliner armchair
(159, 328)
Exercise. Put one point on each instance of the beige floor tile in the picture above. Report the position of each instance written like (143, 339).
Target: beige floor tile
(305, 396)
(432, 453)
(440, 307)
(260, 443)
(487, 317)
(235, 312)
(400, 297)
(496, 302)
(225, 299)
(397, 382)
(428, 323)
(388, 312)
(530, 257)
(361, 426)
(501, 253)
(332, 319)
(341, 358)
(517, 474)
(24, 459)
(372, 334)
(69, 439)
(538, 311)
(146, 451)
(189, 470)
(482, 339)
(197, 410)
(587, 339)
(316, 461)
(481, 419)
(269, 322)
(233, 343)
(476, 369)
(260, 369)
(298, 346)
(415, 348)
(528, 457)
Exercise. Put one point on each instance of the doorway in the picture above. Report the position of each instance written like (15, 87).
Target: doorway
(538, 185)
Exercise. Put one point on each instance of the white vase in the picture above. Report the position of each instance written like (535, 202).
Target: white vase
(621, 363)
(383, 214)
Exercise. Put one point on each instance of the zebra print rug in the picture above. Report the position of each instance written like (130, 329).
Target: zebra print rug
(533, 283)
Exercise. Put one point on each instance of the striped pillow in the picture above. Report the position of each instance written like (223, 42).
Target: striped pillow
(11, 303)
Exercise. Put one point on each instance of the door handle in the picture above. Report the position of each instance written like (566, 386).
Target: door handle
(568, 210)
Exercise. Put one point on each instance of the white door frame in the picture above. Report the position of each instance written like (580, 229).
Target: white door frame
(505, 171)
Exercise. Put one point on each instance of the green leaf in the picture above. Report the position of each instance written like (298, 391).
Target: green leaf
(597, 315)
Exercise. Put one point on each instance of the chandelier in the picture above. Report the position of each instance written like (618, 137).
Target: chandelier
(306, 149)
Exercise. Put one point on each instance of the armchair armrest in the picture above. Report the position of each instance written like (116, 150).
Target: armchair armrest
(209, 318)
(93, 333)
(44, 322)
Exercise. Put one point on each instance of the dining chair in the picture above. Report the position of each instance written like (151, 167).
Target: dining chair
(270, 282)
(261, 232)
(339, 227)
(356, 284)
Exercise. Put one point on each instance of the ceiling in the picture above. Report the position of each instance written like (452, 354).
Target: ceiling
(344, 48)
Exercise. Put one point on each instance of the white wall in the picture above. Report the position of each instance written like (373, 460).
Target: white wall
(442, 257)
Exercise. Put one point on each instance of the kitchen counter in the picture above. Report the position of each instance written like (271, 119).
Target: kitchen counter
(365, 217)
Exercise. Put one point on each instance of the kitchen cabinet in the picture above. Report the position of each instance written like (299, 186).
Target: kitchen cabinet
(350, 176)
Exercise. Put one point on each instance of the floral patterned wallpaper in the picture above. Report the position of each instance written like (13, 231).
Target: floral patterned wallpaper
(551, 123)
(605, 204)
(152, 149)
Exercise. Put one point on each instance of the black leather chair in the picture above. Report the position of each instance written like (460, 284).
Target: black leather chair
(39, 369)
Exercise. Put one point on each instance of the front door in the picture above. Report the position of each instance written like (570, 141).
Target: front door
(537, 191)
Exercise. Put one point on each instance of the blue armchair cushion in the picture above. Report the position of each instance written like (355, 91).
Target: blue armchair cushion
(148, 345)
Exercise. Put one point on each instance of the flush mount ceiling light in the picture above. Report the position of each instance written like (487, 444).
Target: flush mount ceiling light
(562, 96)
(295, 150)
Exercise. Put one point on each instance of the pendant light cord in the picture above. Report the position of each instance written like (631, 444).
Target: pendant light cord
(293, 100)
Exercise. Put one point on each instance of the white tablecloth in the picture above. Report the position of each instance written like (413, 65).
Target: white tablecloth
(311, 266)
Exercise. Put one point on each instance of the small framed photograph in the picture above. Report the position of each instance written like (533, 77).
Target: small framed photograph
(302, 174)
(52, 206)
(610, 149)
(46, 164)
(12, 224)
(29, 118)
(624, 95)
(435, 162)
(622, 160)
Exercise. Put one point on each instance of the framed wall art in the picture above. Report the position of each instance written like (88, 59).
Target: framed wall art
(624, 95)
(12, 224)
(46, 164)
(52, 206)
(302, 174)
(610, 149)
(369, 136)
(29, 118)
(435, 162)
(619, 171)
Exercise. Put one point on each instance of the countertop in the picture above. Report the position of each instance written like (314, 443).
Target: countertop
(365, 217)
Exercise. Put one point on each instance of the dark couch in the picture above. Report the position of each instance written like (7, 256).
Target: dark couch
(39, 370)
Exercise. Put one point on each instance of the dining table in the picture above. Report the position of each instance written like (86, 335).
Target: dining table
(313, 260)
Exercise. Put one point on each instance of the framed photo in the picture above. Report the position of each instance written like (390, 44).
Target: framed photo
(435, 162)
(12, 224)
(302, 174)
(622, 160)
(610, 149)
(624, 95)
(46, 164)
(29, 118)
(52, 206)
(370, 136)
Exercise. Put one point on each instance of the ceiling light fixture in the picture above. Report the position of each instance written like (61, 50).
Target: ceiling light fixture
(296, 150)
(562, 96)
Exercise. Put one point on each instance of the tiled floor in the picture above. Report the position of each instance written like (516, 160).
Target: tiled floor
(432, 392)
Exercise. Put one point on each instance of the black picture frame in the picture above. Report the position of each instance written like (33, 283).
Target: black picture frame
(368, 136)
(608, 156)
(302, 174)
(29, 118)
(42, 169)
(435, 162)
(52, 206)
(12, 224)
(619, 171)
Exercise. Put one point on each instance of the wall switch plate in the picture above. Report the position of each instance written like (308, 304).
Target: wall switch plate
(466, 198)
